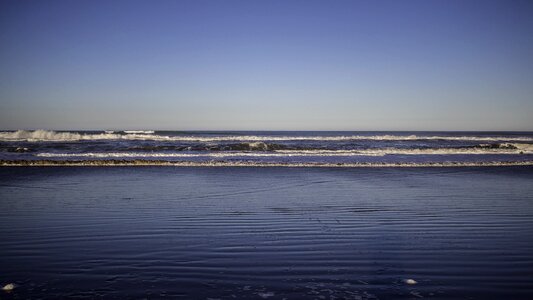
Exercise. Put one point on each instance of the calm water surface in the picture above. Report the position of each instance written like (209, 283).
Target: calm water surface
(266, 233)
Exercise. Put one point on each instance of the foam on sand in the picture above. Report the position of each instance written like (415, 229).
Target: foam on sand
(142, 162)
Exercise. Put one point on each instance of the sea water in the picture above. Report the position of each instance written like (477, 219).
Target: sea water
(258, 148)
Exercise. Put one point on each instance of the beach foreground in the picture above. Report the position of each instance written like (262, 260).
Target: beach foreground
(267, 233)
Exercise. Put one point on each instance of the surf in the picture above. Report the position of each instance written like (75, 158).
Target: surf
(66, 136)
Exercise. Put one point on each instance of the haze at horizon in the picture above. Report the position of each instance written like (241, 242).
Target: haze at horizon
(271, 65)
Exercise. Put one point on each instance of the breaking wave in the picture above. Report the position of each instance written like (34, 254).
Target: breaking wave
(47, 135)
(60, 136)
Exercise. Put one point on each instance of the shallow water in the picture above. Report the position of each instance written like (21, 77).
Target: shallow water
(273, 233)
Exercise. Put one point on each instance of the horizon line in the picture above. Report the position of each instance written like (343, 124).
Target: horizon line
(273, 130)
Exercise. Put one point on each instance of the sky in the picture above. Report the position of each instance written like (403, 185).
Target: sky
(266, 65)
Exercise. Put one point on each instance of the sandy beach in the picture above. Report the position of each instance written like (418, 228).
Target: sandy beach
(272, 233)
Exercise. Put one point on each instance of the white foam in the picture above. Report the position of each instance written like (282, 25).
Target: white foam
(55, 136)
(190, 155)
(526, 148)
(118, 163)
(140, 131)
(521, 149)
(46, 135)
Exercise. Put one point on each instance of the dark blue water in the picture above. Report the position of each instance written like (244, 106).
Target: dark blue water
(260, 147)
(266, 233)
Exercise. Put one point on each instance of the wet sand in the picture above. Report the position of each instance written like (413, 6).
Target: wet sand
(267, 233)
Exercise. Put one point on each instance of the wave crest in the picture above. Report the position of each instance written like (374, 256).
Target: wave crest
(140, 131)
(65, 136)
(47, 135)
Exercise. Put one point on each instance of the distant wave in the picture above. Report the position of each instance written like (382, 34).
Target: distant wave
(55, 136)
(118, 163)
(140, 131)
(46, 135)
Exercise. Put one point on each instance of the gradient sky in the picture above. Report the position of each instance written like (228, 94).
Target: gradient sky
(272, 65)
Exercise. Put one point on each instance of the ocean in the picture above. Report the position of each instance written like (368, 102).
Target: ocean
(257, 148)
(266, 215)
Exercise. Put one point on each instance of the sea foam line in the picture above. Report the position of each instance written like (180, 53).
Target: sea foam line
(205, 154)
(127, 163)
(525, 149)
(46, 135)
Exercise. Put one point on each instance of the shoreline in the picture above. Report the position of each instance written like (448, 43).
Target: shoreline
(142, 162)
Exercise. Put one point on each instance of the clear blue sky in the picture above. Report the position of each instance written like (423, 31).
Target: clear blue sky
(273, 65)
